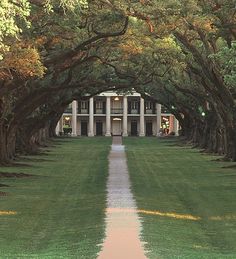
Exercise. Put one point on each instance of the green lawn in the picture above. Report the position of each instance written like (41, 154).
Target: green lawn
(168, 178)
(60, 211)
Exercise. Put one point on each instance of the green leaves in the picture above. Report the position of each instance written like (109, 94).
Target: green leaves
(66, 5)
(12, 13)
(227, 60)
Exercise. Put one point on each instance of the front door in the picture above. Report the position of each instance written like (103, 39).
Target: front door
(148, 128)
(99, 128)
(116, 128)
(84, 128)
(134, 131)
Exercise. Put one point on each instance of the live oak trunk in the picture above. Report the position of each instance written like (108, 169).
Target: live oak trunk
(4, 156)
(7, 143)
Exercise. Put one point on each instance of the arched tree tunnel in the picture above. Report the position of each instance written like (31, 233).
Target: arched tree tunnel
(181, 53)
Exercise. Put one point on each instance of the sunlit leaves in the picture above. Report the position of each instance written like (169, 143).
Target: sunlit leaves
(12, 13)
(25, 62)
(67, 5)
(130, 48)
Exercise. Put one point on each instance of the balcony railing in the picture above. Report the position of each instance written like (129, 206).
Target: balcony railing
(149, 111)
(99, 111)
(116, 110)
(83, 111)
(133, 111)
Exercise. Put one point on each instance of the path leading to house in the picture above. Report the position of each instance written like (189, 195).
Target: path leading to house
(123, 224)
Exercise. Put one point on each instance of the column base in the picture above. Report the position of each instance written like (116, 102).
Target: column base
(108, 135)
(90, 135)
(125, 135)
(73, 135)
(141, 135)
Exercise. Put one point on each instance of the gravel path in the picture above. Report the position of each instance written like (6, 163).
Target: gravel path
(123, 225)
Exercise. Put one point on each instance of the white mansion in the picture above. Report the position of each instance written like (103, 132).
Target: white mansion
(110, 114)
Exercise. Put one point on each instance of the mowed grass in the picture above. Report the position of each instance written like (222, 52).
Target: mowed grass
(60, 211)
(170, 178)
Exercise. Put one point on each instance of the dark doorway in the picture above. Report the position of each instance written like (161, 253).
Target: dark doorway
(84, 128)
(99, 128)
(149, 129)
(134, 131)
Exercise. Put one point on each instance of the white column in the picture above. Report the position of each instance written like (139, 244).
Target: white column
(176, 127)
(141, 126)
(60, 124)
(74, 118)
(91, 118)
(58, 128)
(108, 116)
(158, 113)
(125, 117)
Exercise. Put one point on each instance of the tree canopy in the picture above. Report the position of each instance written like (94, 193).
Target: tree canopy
(181, 53)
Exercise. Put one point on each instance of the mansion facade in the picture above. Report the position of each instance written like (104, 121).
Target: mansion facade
(110, 114)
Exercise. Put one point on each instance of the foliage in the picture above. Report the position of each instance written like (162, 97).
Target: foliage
(180, 52)
(25, 62)
(227, 58)
(12, 14)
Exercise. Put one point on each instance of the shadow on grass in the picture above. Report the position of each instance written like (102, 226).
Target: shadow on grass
(169, 139)
(14, 175)
(36, 159)
(4, 185)
(17, 164)
(230, 167)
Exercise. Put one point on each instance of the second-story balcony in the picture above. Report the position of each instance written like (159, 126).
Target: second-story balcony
(116, 110)
(133, 106)
(150, 107)
(83, 111)
(83, 107)
(99, 106)
(149, 111)
(100, 110)
(133, 111)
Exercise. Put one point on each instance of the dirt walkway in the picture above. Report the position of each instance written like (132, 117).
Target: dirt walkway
(123, 225)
